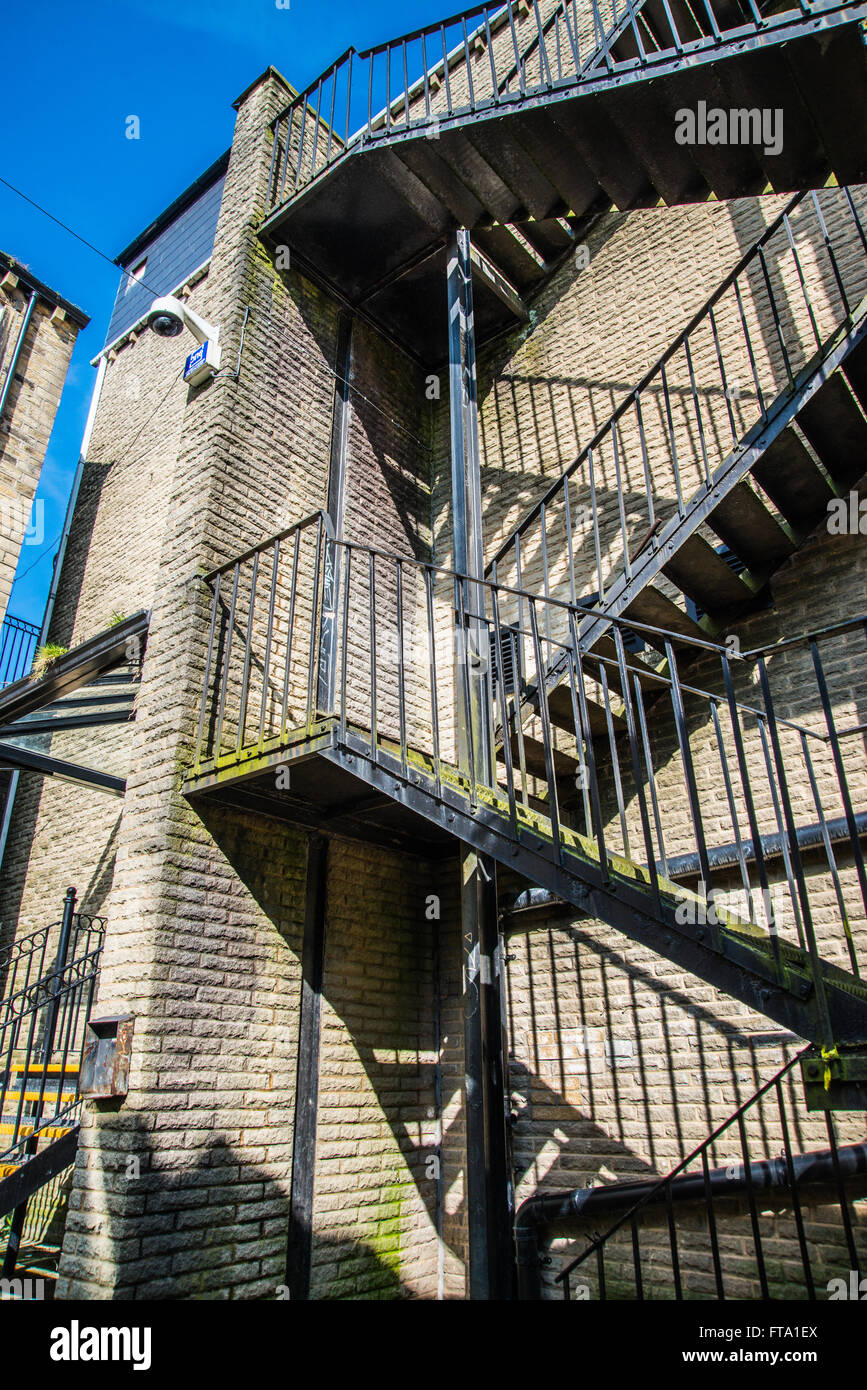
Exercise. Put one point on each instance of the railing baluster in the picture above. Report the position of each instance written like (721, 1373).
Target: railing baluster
(636, 764)
(464, 664)
(347, 580)
(733, 814)
(651, 776)
(401, 674)
(469, 62)
(854, 1261)
(248, 646)
(775, 314)
(569, 544)
(832, 258)
(446, 70)
(206, 682)
(594, 512)
(636, 1260)
(489, 43)
(831, 857)
(723, 377)
(711, 1227)
(615, 761)
(749, 342)
(754, 1216)
(268, 636)
(672, 1244)
(434, 689)
(791, 829)
(290, 635)
(840, 769)
(793, 1188)
(645, 463)
(589, 751)
(691, 785)
(544, 65)
(698, 418)
(621, 506)
(371, 573)
(224, 685)
(671, 438)
(803, 283)
(547, 743)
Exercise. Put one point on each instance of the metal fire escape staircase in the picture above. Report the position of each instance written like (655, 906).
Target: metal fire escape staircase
(698, 489)
(523, 121)
(353, 669)
(360, 673)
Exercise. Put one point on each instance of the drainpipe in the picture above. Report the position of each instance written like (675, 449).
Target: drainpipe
(61, 549)
(16, 351)
(557, 1208)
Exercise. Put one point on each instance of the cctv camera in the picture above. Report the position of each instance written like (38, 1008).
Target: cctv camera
(169, 316)
(166, 316)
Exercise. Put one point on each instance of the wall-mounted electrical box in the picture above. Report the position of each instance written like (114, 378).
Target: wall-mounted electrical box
(202, 364)
(104, 1071)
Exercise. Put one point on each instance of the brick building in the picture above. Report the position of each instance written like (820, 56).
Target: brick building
(468, 800)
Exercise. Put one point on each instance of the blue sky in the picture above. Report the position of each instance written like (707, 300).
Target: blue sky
(63, 110)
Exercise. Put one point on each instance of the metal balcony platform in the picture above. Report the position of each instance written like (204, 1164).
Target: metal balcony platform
(368, 212)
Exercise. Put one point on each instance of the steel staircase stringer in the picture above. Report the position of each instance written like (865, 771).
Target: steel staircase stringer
(743, 961)
(731, 471)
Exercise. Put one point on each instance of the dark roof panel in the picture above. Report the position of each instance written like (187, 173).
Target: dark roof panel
(174, 245)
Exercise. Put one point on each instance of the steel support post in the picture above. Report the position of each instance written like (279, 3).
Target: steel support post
(300, 1241)
(489, 1186)
(326, 682)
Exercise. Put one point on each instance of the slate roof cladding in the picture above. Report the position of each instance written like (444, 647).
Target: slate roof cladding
(174, 245)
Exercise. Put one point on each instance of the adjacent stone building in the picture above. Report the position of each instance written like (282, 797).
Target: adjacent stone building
(38, 329)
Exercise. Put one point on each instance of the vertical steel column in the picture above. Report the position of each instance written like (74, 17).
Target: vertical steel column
(472, 645)
(326, 688)
(489, 1182)
(490, 1195)
(307, 1074)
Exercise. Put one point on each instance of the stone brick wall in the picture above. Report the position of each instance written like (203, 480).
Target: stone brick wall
(377, 1180)
(28, 418)
(620, 1063)
(206, 905)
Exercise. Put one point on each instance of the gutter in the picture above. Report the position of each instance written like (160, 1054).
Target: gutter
(817, 1168)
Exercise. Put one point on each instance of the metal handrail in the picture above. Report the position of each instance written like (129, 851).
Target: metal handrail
(337, 124)
(699, 452)
(17, 644)
(304, 628)
(744, 1178)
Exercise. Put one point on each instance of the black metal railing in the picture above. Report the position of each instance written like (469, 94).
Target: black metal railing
(729, 797)
(705, 1231)
(677, 441)
(43, 1014)
(492, 57)
(17, 645)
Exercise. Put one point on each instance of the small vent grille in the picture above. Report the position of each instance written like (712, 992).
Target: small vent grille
(632, 641)
(506, 663)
